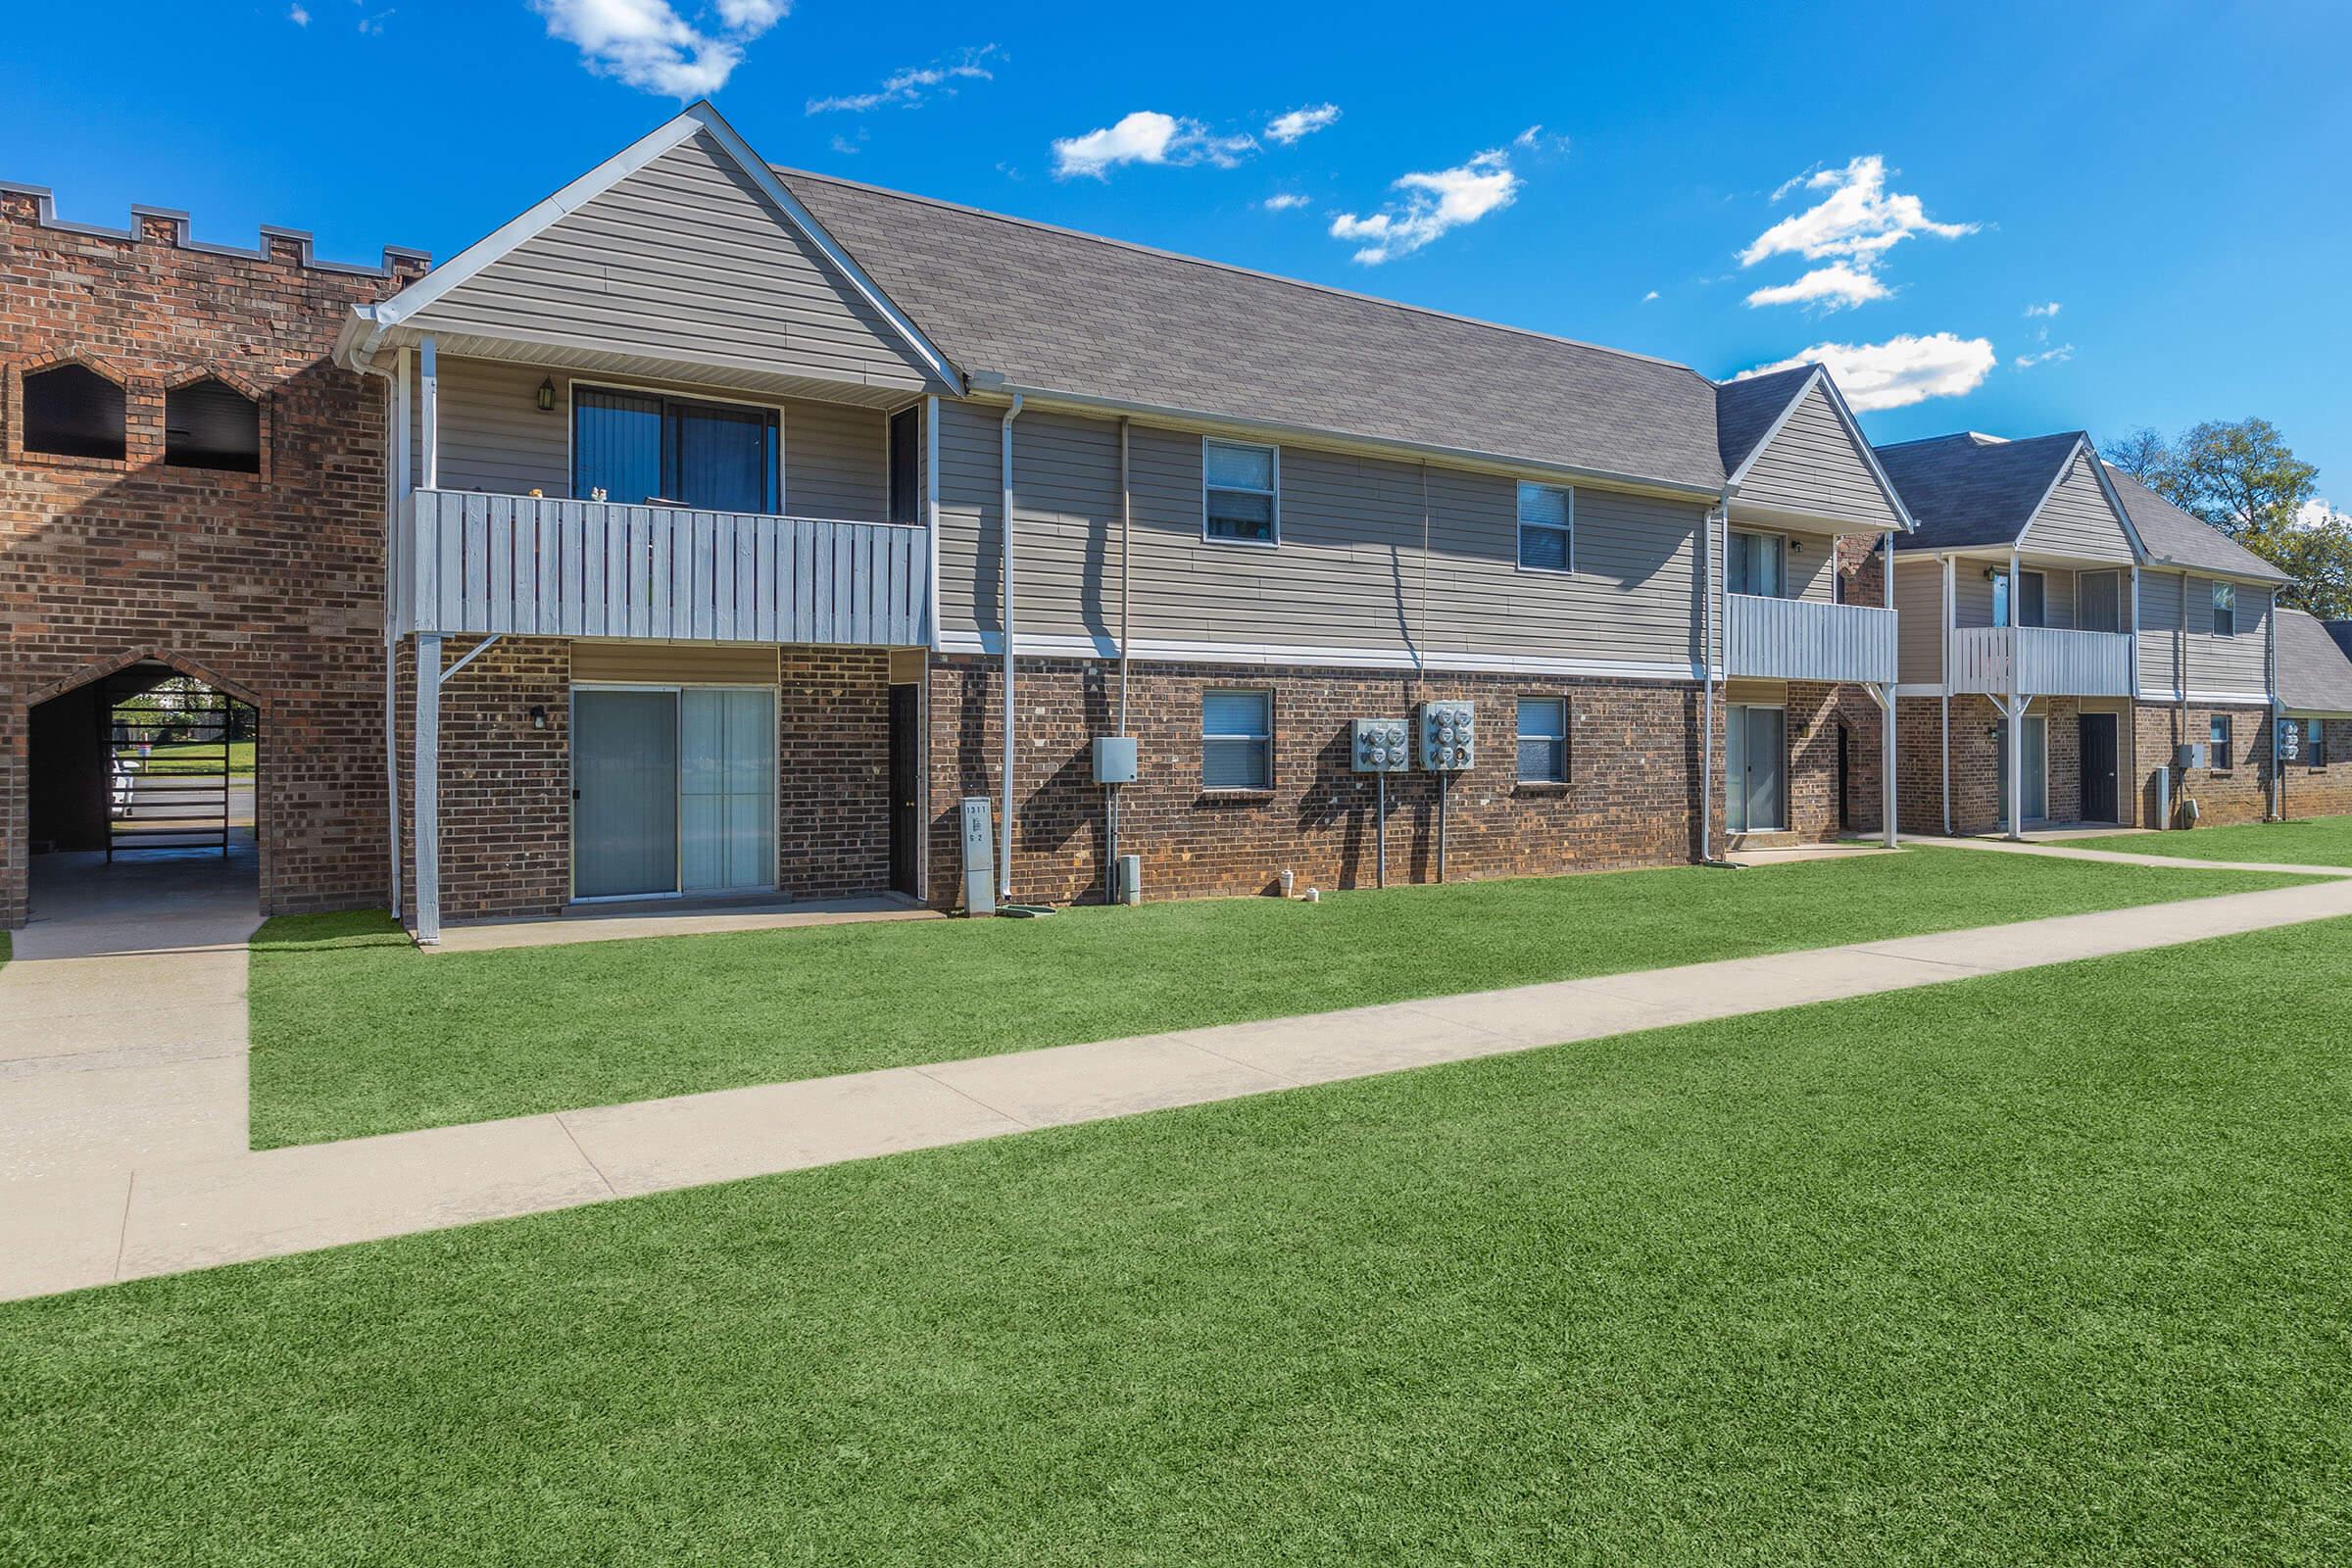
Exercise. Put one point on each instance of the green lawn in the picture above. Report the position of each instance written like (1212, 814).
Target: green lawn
(2013, 1270)
(356, 1032)
(2311, 841)
(195, 757)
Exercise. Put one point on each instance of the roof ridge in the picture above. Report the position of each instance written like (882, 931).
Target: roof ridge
(1245, 271)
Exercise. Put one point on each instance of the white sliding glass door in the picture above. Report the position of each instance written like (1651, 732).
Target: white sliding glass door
(727, 789)
(673, 790)
(1756, 765)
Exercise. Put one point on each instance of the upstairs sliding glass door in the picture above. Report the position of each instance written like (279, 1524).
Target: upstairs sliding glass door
(642, 447)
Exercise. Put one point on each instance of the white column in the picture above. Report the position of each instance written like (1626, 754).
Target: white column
(429, 787)
(398, 487)
(429, 394)
(2017, 714)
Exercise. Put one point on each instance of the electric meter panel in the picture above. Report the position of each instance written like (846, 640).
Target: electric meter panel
(1381, 746)
(1449, 737)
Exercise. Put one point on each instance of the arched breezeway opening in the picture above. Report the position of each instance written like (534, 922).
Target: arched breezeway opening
(141, 797)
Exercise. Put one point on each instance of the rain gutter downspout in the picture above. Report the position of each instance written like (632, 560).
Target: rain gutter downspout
(1004, 824)
(1708, 573)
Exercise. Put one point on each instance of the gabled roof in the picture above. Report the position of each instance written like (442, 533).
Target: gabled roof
(1053, 311)
(1970, 491)
(2175, 538)
(2313, 674)
(1749, 411)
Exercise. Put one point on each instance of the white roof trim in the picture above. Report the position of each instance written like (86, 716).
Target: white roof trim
(1820, 377)
(694, 119)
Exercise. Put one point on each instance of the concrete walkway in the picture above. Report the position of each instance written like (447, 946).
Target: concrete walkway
(686, 917)
(192, 1202)
(2055, 849)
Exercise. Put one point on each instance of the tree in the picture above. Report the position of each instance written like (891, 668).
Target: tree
(2242, 479)
(2318, 555)
(2145, 454)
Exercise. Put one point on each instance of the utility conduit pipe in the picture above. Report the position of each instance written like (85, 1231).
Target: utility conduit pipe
(1005, 822)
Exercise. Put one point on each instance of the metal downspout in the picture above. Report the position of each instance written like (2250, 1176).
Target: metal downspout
(1004, 825)
(1110, 883)
(1706, 653)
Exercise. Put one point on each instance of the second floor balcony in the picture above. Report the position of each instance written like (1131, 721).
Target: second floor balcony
(469, 562)
(1803, 639)
(2041, 662)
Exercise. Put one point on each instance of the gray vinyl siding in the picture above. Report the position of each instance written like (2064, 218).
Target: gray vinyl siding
(495, 439)
(1972, 594)
(2076, 521)
(1813, 468)
(2237, 666)
(1919, 624)
(1351, 571)
(685, 259)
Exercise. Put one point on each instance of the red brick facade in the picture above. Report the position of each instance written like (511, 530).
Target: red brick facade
(268, 585)
(2239, 793)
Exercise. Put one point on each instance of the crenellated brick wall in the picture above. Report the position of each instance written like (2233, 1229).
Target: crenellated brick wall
(267, 584)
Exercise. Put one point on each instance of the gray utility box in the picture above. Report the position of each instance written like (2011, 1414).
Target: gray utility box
(2191, 754)
(1379, 746)
(1115, 759)
(1449, 737)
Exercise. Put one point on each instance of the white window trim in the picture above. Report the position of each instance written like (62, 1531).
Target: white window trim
(1273, 495)
(1559, 704)
(572, 432)
(678, 689)
(2214, 589)
(1779, 544)
(1519, 534)
(1266, 781)
(2229, 741)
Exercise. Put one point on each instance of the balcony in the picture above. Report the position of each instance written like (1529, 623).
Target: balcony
(469, 562)
(2041, 662)
(1798, 639)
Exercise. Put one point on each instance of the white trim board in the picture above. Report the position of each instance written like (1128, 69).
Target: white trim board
(1082, 645)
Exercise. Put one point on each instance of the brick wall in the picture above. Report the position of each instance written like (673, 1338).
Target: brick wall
(1631, 799)
(268, 584)
(833, 784)
(2240, 792)
(2326, 790)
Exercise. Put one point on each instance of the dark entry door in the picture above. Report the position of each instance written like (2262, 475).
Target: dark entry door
(2098, 767)
(1846, 762)
(906, 828)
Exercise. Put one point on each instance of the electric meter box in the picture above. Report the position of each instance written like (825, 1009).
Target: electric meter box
(2191, 754)
(1449, 737)
(1115, 759)
(1381, 746)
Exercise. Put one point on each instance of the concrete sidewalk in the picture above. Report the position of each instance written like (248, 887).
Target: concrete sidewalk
(82, 1227)
(2058, 849)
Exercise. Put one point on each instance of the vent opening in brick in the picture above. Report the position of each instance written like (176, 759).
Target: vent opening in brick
(211, 424)
(70, 410)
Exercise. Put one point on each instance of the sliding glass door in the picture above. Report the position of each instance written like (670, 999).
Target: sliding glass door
(1756, 767)
(673, 791)
(642, 447)
(727, 790)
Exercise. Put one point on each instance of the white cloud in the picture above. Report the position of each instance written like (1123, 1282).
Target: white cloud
(1527, 137)
(648, 45)
(1652, 295)
(299, 17)
(1302, 123)
(1145, 136)
(1435, 205)
(909, 88)
(1285, 201)
(2318, 513)
(2052, 309)
(1832, 287)
(1898, 372)
(1856, 217)
(2059, 355)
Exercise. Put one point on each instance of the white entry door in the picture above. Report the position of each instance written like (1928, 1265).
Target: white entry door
(1757, 759)
(726, 789)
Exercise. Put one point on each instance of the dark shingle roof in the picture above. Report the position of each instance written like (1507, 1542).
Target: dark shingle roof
(1744, 410)
(1968, 490)
(1054, 310)
(2180, 539)
(2314, 675)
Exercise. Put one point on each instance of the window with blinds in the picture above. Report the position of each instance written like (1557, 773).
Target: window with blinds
(1756, 564)
(641, 447)
(1239, 493)
(1237, 740)
(1543, 740)
(1546, 528)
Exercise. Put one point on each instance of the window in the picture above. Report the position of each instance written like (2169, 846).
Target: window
(1546, 528)
(2218, 735)
(1239, 500)
(1543, 740)
(905, 429)
(2307, 739)
(2101, 599)
(640, 447)
(2225, 610)
(211, 424)
(70, 410)
(1237, 740)
(2000, 597)
(1756, 564)
(2032, 599)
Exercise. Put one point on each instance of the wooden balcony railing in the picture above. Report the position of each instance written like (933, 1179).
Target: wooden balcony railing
(1799, 639)
(2049, 662)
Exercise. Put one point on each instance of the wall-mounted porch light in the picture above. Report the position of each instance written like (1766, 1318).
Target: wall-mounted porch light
(545, 398)
(538, 717)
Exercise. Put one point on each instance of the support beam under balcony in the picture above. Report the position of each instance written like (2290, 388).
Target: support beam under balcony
(428, 809)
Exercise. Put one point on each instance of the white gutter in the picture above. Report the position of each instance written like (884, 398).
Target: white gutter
(1004, 826)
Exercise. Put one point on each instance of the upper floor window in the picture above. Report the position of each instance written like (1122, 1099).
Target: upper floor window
(1237, 739)
(2225, 610)
(70, 410)
(1756, 564)
(2026, 606)
(2218, 738)
(906, 430)
(1240, 488)
(1543, 740)
(642, 447)
(211, 424)
(2099, 601)
(1546, 528)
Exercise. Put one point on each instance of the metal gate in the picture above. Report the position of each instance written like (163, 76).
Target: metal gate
(169, 770)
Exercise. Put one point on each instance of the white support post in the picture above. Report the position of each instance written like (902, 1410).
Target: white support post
(1887, 763)
(400, 486)
(428, 788)
(428, 396)
(2016, 712)
(1951, 613)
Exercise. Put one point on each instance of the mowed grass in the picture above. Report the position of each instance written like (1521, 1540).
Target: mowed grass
(2310, 841)
(355, 1032)
(2040, 1268)
(199, 757)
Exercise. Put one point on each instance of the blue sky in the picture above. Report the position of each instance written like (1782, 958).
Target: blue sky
(2176, 179)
